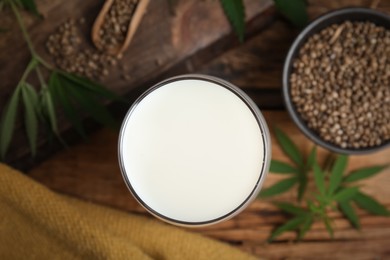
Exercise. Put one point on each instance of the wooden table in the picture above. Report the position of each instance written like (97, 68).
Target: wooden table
(89, 170)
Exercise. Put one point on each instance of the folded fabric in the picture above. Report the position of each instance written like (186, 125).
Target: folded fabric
(36, 223)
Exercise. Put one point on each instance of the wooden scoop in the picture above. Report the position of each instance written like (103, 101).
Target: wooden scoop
(117, 50)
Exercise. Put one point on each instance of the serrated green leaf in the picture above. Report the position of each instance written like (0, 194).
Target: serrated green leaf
(348, 211)
(48, 110)
(30, 6)
(279, 187)
(302, 184)
(289, 225)
(8, 122)
(345, 194)
(235, 12)
(92, 106)
(91, 86)
(337, 173)
(323, 200)
(303, 179)
(30, 101)
(290, 208)
(97, 111)
(305, 227)
(84, 91)
(370, 204)
(364, 173)
(329, 161)
(51, 112)
(288, 147)
(295, 11)
(319, 179)
(32, 94)
(282, 167)
(61, 95)
(312, 207)
(311, 159)
(328, 226)
(16, 2)
(33, 97)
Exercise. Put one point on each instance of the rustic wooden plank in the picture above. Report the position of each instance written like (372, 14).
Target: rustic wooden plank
(268, 216)
(90, 171)
(257, 64)
(361, 249)
(374, 227)
(162, 45)
(97, 161)
(371, 186)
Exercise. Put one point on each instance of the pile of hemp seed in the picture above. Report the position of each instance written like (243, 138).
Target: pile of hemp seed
(340, 84)
(65, 45)
(72, 53)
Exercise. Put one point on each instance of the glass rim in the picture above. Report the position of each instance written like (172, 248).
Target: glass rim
(265, 138)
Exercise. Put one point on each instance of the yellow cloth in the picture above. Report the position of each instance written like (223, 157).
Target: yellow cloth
(36, 223)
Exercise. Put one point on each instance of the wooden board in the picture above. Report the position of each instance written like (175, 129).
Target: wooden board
(163, 46)
(90, 171)
(196, 39)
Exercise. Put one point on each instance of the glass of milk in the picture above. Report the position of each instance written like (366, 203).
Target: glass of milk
(194, 150)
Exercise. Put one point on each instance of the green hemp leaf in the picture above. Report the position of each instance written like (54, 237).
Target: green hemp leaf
(298, 173)
(30, 5)
(334, 190)
(78, 96)
(293, 10)
(235, 12)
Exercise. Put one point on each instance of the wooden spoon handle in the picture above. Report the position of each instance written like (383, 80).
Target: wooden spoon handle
(140, 10)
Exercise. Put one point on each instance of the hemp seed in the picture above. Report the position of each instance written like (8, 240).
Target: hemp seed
(340, 84)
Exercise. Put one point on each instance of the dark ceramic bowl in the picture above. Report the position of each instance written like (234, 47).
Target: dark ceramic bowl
(334, 17)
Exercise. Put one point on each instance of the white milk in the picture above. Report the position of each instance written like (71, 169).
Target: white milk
(192, 152)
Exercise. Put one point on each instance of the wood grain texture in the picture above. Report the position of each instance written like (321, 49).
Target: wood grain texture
(163, 46)
(90, 171)
(257, 65)
(196, 39)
